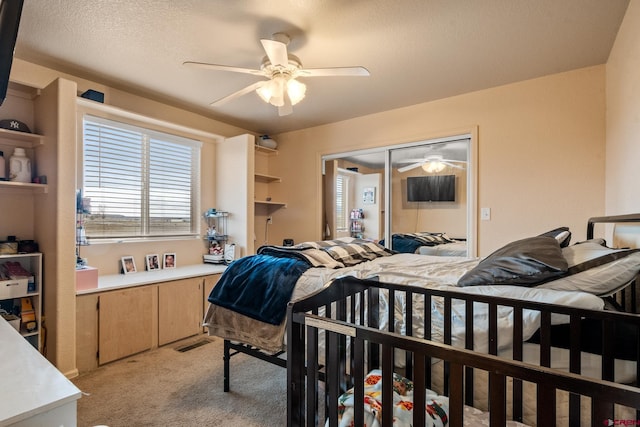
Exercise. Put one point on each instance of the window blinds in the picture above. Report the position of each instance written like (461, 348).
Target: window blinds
(140, 183)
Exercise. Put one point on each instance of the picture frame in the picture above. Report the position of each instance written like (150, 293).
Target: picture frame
(128, 265)
(169, 260)
(369, 195)
(153, 262)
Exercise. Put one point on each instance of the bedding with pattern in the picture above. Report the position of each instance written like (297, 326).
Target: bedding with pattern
(436, 410)
(542, 268)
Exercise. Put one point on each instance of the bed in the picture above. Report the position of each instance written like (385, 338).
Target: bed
(545, 267)
(338, 386)
(427, 243)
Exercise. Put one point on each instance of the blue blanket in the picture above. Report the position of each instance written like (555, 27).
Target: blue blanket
(259, 286)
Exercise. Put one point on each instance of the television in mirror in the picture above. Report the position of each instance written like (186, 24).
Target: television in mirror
(438, 188)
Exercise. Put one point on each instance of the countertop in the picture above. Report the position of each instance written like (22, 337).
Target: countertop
(31, 385)
(117, 281)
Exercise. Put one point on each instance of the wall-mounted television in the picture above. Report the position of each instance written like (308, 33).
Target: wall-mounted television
(10, 12)
(437, 188)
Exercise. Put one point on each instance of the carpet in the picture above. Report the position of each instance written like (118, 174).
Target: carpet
(181, 385)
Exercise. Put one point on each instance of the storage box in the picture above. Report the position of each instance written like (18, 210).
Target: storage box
(13, 288)
(86, 278)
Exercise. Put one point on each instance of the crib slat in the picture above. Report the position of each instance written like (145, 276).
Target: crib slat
(419, 394)
(358, 377)
(312, 375)
(387, 385)
(546, 405)
(333, 378)
(545, 339)
(575, 366)
(497, 399)
(408, 318)
(468, 338)
(517, 406)
(456, 404)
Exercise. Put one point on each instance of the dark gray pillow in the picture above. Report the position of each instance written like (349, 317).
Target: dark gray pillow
(525, 262)
(561, 234)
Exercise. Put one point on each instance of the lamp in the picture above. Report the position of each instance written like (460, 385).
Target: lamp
(433, 166)
(273, 91)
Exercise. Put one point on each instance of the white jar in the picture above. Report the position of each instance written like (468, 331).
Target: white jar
(19, 166)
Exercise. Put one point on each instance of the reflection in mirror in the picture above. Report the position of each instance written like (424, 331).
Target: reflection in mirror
(429, 198)
(421, 198)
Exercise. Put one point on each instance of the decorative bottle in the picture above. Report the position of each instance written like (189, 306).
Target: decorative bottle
(3, 171)
(19, 166)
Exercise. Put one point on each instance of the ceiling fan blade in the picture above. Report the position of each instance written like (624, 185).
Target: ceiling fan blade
(239, 93)
(408, 168)
(223, 68)
(276, 51)
(453, 165)
(412, 161)
(336, 71)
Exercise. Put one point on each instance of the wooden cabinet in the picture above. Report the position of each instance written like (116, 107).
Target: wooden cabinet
(175, 321)
(115, 324)
(124, 323)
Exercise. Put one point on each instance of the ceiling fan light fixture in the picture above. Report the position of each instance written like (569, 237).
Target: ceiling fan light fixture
(433, 166)
(296, 91)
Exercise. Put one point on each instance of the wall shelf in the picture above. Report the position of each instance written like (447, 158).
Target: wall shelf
(267, 178)
(270, 151)
(20, 139)
(36, 188)
(271, 203)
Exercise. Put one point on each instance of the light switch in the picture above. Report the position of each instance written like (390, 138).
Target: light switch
(485, 214)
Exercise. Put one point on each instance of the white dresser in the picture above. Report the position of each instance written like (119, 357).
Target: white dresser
(33, 392)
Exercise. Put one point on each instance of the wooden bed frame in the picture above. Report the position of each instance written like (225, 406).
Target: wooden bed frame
(344, 370)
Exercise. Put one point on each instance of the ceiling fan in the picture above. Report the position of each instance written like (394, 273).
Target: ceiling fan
(282, 69)
(432, 163)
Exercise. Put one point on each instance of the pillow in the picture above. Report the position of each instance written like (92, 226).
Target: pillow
(525, 262)
(561, 234)
(597, 269)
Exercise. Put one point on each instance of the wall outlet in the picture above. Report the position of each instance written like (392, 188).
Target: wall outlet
(269, 219)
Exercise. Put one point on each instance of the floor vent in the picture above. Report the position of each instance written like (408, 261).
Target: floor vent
(196, 344)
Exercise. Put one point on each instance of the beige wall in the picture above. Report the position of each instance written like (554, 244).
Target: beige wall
(106, 257)
(541, 147)
(623, 117)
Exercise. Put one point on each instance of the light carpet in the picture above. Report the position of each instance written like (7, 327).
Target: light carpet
(166, 387)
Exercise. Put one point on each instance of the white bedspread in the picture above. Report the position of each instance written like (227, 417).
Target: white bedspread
(412, 270)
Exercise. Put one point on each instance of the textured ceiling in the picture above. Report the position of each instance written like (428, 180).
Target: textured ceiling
(415, 50)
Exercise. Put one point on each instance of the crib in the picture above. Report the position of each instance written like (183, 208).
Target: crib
(334, 340)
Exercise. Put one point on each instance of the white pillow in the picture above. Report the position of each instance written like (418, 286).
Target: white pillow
(603, 279)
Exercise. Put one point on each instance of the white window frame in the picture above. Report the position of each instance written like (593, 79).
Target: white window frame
(145, 231)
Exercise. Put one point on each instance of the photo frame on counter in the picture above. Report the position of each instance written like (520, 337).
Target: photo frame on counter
(169, 260)
(153, 262)
(128, 265)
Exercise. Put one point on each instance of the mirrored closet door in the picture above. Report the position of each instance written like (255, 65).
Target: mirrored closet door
(425, 187)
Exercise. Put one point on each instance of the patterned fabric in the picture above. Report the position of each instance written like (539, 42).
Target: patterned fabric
(437, 407)
(356, 252)
(336, 253)
(428, 239)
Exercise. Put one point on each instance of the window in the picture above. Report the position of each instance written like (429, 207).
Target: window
(342, 197)
(138, 182)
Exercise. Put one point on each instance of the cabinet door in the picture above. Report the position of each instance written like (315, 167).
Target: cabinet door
(179, 310)
(125, 322)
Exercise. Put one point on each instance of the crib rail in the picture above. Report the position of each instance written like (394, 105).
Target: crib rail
(347, 314)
